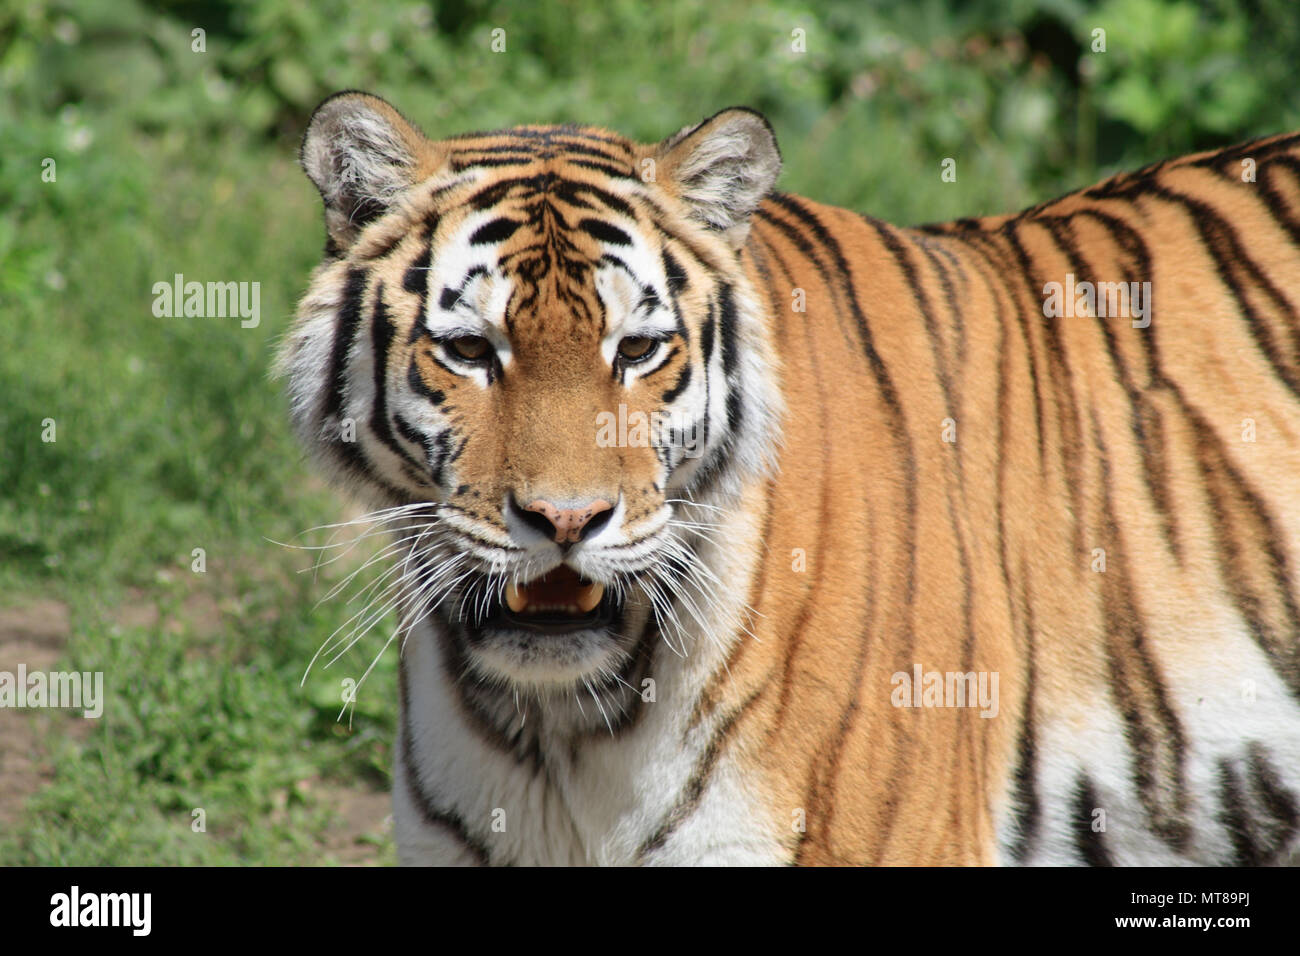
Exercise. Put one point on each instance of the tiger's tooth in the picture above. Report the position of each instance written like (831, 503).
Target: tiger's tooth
(516, 599)
(590, 596)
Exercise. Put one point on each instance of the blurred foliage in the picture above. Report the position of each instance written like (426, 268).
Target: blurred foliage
(174, 153)
(1015, 89)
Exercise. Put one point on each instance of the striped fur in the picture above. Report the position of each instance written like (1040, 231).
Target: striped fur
(919, 470)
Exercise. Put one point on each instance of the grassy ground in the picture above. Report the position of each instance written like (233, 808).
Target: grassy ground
(169, 437)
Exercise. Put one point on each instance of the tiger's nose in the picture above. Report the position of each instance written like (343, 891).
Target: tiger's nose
(567, 525)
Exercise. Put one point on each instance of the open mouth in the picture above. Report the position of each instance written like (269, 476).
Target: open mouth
(557, 602)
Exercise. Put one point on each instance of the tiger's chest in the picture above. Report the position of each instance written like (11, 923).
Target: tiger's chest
(657, 792)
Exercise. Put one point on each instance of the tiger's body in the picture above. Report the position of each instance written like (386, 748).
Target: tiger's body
(917, 472)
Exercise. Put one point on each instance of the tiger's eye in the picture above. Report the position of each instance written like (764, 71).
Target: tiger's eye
(636, 347)
(471, 348)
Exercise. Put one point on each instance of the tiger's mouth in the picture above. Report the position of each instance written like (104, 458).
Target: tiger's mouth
(558, 602)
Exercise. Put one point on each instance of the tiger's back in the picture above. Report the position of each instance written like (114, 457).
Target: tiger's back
(1103, 510)
(984, 553)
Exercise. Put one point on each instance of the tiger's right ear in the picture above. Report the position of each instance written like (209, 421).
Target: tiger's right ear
(362, 154)
(723, 168)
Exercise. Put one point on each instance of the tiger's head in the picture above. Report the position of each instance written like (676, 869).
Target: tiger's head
(536, 353)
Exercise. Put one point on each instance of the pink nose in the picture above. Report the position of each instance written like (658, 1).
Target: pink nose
(569, 523)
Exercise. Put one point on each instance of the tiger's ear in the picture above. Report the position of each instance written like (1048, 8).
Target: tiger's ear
(361, 154)
(723, 168)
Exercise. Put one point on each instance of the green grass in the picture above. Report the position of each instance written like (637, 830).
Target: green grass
(170, 437)
(211, 721)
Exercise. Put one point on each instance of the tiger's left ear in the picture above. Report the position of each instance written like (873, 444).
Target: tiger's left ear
(722, 168)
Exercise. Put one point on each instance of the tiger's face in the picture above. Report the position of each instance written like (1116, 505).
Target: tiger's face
(537, 349)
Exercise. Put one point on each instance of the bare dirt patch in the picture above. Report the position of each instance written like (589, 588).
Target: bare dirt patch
(33, 635)
(365, 828)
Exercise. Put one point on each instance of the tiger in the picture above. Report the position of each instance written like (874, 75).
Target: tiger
(730, 528)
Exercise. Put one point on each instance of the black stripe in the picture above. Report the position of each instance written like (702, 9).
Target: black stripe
(492, 194)
(1235, 819)
(569, 190)
(542, 134)
(460, 165)
(435, 448)
(417, 383)
(674, 272)
(536, 147)
(1027, 810)
(609, 259)
(567, 146)
(904, 262)
(354, 289)
(1277, 204)
(614, 171)
(1090, 843)
(992, 275)
(845, 287)
(438, 456)
(435, 816)
(952, 463)
(605, 232)
(382, 332)
(1260, 148)
(1220, 478)
(498, 230)
(495, 149)
(448, 298)
(727, 333)
(416, 278)
(1144, 419)
(683, 380)
(1070, 426)
(727, 327)
(1274, 802)
(800, 242)
(693, 791)
(349, 321)
(1246, 536)
(798, 632)
(708, 470)
(1152, 729)
(1229, 253)
(1040, 382)
(393, 241)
